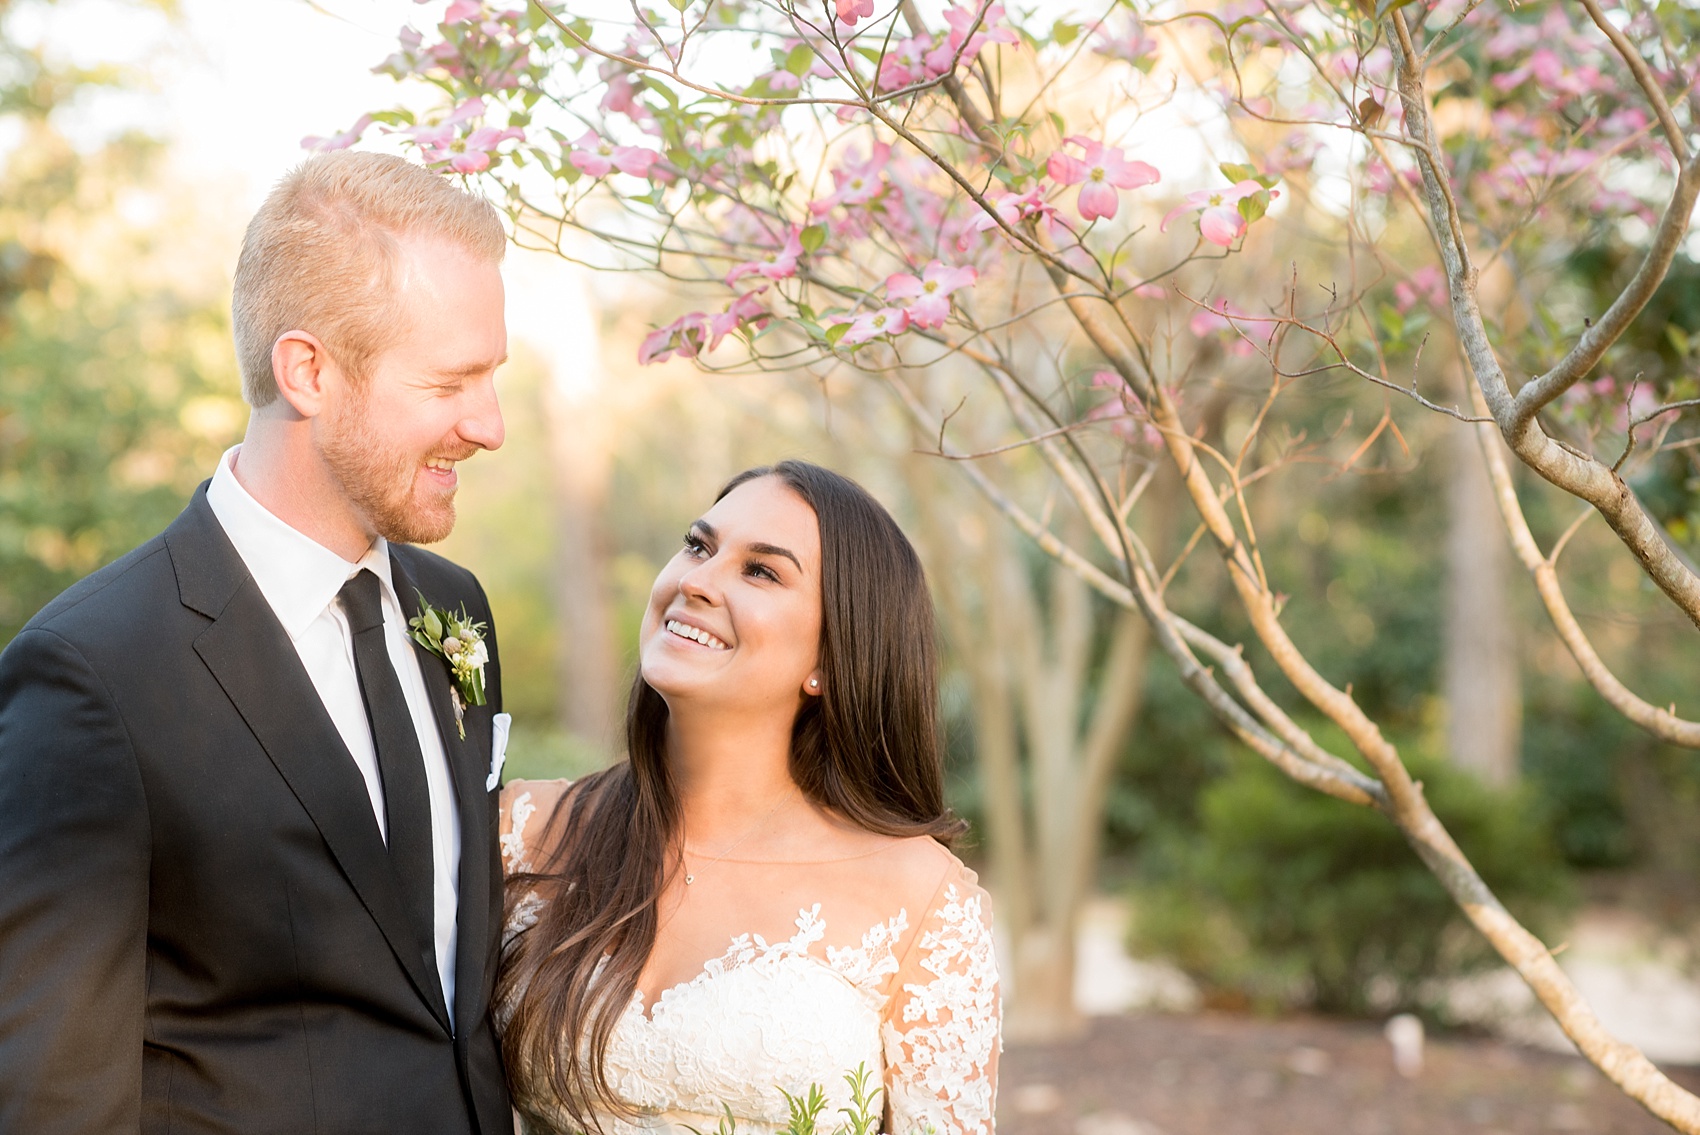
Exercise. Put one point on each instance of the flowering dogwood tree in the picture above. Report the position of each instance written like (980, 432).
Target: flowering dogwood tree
(962, 202)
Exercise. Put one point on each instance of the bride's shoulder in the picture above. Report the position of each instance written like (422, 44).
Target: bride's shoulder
(528, 809)
(923, 873)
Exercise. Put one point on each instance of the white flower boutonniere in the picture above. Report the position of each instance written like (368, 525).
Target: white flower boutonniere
(459, 641)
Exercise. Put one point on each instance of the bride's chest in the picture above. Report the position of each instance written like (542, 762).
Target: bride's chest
(765, 1019)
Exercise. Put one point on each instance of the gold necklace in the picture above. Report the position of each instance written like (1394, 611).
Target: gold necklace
(690, 877)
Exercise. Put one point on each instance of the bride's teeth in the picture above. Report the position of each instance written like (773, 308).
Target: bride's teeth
(695, 634)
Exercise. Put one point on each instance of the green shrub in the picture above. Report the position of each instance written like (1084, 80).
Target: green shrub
(1288, 897)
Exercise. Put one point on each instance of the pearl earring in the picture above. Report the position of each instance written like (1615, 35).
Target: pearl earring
(813, 684)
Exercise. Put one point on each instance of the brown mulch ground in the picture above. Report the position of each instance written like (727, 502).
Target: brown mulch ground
(1222, 1074)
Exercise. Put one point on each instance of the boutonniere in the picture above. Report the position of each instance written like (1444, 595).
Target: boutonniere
(459, 641)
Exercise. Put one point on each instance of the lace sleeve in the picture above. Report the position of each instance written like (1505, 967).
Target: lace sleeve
(527, 806)
(941, 1033)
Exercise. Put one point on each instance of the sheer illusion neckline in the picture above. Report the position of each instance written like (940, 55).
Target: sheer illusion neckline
(863, 967)
(795, 862)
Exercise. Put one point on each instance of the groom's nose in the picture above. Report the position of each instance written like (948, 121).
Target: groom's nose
(483, 426)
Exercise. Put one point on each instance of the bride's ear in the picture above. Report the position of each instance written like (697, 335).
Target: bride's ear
(812, 686)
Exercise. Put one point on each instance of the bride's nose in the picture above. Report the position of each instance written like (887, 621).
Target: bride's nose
(699, 583)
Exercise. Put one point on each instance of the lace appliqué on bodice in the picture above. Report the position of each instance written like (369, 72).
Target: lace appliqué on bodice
(762, 1019)
(767, 1018)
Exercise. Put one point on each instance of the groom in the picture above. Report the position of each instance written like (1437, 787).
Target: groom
(248, 874)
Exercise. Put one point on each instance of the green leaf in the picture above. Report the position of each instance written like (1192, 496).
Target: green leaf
(802, 57)
(1391, 321)
(1252, 208)
(679, 5)
(1237, 172)
(1678, 338)
(1064, 33)
(836, 332)
(433, 624)
(812, 238)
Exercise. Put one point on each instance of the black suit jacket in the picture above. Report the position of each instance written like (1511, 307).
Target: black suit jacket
(199, 927)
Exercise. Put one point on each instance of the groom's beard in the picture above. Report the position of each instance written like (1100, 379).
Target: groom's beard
(383, 481)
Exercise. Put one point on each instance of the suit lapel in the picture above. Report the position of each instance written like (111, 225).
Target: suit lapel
(257, 666)
(469, 764)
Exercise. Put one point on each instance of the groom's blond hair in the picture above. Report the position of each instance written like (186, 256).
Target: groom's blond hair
(321, 254)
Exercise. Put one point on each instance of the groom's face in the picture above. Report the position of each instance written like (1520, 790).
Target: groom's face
(428, 402)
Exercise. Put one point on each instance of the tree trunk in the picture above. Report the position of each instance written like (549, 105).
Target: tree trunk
(1482, 680)
(1045, 763)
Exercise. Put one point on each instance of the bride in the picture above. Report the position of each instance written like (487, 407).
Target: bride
(761, 900)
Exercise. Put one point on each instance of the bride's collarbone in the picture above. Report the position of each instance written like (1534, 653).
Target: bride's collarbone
(828, 904)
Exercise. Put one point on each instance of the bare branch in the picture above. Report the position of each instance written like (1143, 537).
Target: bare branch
(1661, 723)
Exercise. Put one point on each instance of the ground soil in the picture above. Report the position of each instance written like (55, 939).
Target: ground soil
(1226, 1074)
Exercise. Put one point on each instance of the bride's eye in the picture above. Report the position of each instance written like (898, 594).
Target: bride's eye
(694, 544)
(761, 571)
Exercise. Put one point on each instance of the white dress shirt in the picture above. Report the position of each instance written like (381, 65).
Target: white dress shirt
(300, 579)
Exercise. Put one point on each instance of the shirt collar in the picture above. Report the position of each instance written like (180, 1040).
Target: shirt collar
(298, 576)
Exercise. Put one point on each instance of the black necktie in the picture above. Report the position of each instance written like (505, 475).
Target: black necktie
(407, 799)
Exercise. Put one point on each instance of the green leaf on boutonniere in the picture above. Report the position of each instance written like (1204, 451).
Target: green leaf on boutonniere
(459, 642)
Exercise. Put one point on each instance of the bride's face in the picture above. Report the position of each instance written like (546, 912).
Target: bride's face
(734, 618)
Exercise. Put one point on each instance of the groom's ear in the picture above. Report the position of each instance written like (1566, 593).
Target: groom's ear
(299, 367)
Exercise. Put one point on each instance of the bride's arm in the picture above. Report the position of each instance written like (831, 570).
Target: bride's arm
(943, 1026)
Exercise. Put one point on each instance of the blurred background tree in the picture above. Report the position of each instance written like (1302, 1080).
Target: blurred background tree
(117, 386)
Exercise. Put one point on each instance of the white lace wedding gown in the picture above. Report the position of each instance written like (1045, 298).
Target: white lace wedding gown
(915, 1003)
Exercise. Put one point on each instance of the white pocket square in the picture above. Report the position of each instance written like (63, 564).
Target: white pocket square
(498, 749)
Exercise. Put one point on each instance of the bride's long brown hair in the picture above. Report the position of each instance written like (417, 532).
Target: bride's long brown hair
(868, 748)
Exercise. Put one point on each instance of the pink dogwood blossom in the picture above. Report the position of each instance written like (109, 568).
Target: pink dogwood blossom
(596, 156)
(1124, 411)
(958, 45)
(696, 332)
(1426, 285)
(1220, 318)
(778, 266)
(1010, 208)
(683, 337)
(439, 136)
(462, 10)
(849, 11)
(930, 291)
(1219, 219)
(1099, 173)
(858, 180)
(745, 309)
(338, 141)
(905, 62)
(476, 149)
(871, 324)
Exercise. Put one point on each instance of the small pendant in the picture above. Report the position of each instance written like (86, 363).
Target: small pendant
(689, 879)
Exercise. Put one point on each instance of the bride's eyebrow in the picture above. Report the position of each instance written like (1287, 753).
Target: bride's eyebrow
(775, 550)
